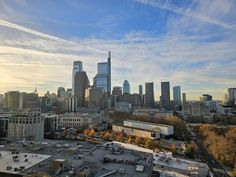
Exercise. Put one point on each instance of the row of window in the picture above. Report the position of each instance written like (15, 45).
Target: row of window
(70, 120)
(24, 120)
(71, 124)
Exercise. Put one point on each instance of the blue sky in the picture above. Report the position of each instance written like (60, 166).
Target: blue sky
(191, 43)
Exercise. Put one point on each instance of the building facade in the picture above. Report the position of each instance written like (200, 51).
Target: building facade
(75, 120)
(126, 87)
(28, 125)
(149, 95)
(177, 95)
(103, 76)
(165, 95)
(81, 83)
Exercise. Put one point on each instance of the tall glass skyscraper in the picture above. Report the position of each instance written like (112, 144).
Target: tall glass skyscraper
(126, 87)
(165, 95)
(77, 67)
(140, 89)
(103, 76)
(149, 94)
(177, 95)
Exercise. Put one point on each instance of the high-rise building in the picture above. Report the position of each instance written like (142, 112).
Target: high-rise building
(95, 97)
(140, 89)
(126, 87)
(165, 95)
(205, 97)
(77, 67)
(177, 95)
(60, 91)
(28, 100)
(149, 94)
(1, 100)
(12, 100)
(231, 96)
(103, 76)
(117, 91)
(133, 99)
(184, 98)
(81, 83)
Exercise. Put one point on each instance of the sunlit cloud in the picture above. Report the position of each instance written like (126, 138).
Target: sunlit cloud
(30, 58)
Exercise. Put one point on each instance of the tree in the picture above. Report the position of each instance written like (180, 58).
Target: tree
(86, 131)
(107, 136)
(137, 140)
(92, 132)
(173, 148)
(148, 143)
(130, 141)
(189, 151)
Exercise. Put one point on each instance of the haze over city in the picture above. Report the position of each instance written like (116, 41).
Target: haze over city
(189, 43)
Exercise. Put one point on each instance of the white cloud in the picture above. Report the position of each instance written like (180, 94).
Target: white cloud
(29, 58)
(205, 11)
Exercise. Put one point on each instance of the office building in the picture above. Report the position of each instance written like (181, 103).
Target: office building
(60, 91)
(149, 94)
(95, 97)
(28, 125)
(28, 100)
(76, 120)
(117, 91)
(133, 99)
(184, 98)
(4, 126)
(231, 96)
(1, 99)
(195, 109)
(177, 95)
(12, 100)
(165, 95)
(144, 129)
(126, 87)
(77, 68)
(103, 76)
(51, 123)
(140, 89)
(205, 98)
(80, 85)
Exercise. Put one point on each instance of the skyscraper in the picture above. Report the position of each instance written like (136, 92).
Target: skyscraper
(12, 100)
(103, 76)
(165, 95)
(140, 89)
(117, 91)
(81, 83)
(184, 98)
(177, 95)
(149, 94)
(231, 96)
(60, 91)
(126, 87)
(77, 67)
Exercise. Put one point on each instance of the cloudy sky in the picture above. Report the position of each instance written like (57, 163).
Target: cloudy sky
(191, 43)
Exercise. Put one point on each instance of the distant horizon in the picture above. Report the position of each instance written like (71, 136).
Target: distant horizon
(189, 43)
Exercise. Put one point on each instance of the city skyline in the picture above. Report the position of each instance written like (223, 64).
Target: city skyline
(189, 43)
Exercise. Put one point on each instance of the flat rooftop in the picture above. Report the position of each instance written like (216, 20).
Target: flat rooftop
(9, 165)
(178, 164)
(148, 123)
(76, 155)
